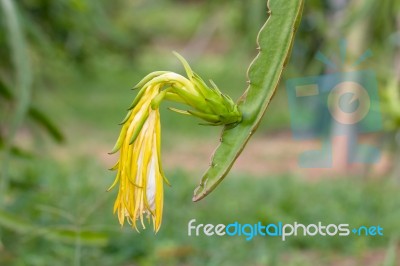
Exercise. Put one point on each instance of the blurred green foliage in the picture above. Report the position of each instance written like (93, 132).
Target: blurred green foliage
(69, 210)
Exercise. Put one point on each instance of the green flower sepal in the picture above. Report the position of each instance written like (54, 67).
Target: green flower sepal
(208, 102)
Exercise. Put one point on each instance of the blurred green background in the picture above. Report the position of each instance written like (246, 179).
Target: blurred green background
(66, 70)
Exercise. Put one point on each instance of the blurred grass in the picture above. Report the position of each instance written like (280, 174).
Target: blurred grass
(70, 201)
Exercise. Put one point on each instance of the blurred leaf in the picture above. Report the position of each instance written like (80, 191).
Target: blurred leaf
(41, 119)
(70, 236)
(56, 211)
(4, 91)
(23, 82)
(19, 55)
(14, 223)
(63, 234)
(16, 151)
(35, 114)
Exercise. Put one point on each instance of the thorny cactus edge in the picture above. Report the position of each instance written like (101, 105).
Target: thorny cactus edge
(139, 169)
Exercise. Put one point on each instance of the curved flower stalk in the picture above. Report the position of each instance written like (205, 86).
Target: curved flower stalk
(275, 41)
(139, 169)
